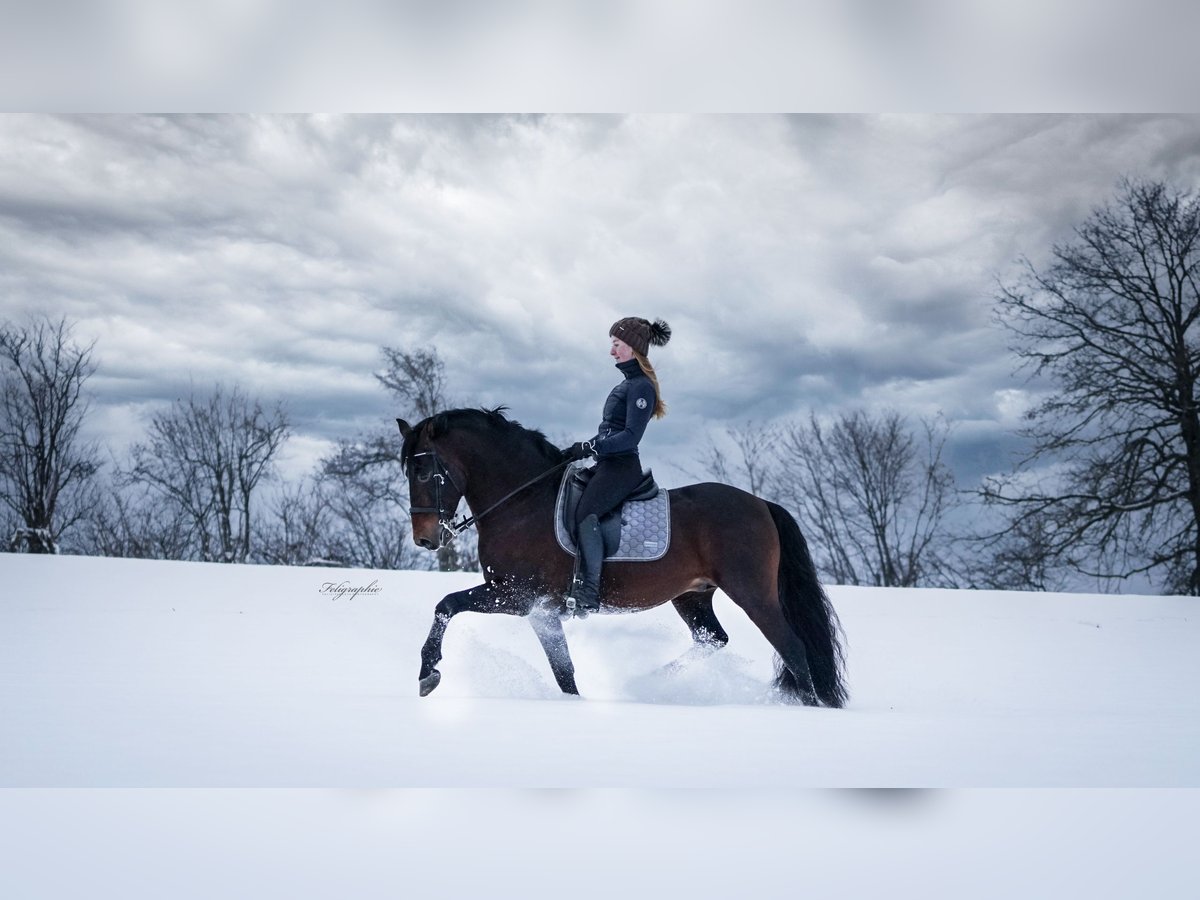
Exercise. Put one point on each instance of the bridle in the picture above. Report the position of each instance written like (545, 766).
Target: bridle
(441, 475)
(446, 524)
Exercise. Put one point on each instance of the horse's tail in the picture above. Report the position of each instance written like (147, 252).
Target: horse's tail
(809, 613)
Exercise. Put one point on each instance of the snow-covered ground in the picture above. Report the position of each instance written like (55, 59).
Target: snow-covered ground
(165, 675)
(117, 673)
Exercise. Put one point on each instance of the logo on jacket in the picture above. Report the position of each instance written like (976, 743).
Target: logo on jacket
(641, 403)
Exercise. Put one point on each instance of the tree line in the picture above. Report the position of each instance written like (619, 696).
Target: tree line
(202, 483)
(1105, 333)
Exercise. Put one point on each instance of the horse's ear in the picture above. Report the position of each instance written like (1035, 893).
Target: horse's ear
(405, 428)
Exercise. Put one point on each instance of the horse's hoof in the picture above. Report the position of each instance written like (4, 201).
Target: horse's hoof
(429, 682)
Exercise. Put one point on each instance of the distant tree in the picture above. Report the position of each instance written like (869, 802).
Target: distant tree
(417, 379)
(370, 500)
(876, 494)
(300, 530)
(207, 457)
(745, 458)
(47, 468)
(1112, 483)
(1018, 558)
(131, 521)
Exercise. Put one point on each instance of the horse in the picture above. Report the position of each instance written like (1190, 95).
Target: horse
(722, 537)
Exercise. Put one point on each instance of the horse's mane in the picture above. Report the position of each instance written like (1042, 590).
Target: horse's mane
(493, 420)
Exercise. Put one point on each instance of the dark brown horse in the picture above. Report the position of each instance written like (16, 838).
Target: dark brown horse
(722, 537)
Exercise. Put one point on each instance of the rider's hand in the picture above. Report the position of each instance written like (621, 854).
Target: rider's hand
(578, 450)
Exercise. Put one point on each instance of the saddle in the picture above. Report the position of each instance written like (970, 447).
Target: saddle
(638, 529)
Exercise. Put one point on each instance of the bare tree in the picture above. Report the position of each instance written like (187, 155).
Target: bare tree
(876, 494)
(1113, 477)
(750, 465)
(207, 457)
(1019, 558)
(130, 521)
(368, 499)
(300, 529)
(370, 503)
(417, 378)
(46, 466)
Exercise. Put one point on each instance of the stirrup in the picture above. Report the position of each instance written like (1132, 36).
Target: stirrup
(574, 608)
(576, 585)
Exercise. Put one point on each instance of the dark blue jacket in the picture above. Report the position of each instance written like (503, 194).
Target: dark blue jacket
(627, 411)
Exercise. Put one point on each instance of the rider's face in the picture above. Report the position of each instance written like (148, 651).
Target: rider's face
(620, 351)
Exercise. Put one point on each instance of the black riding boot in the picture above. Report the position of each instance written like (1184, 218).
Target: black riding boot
(585, 592)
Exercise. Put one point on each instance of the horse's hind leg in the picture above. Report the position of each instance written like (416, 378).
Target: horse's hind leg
(695, 608)
(761, 603)
(792, 654)
(548, 627)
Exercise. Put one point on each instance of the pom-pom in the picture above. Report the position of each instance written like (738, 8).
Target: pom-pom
(660, 333)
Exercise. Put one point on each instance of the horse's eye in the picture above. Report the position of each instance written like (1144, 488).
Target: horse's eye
(424, 477)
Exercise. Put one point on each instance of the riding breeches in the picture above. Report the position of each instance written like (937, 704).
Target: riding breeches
(615, 479)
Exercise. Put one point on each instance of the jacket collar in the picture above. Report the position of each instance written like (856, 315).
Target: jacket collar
(630, 368)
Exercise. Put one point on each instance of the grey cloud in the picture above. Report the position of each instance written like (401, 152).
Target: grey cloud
(803, 261)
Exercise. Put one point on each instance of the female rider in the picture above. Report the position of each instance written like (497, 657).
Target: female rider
(628, 410)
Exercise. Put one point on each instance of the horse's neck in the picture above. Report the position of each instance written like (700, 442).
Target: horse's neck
(493, 474)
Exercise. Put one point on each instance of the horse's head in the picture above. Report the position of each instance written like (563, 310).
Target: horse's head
(435, 483)
(441, 453)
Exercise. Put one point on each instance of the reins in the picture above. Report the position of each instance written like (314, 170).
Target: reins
(469, 522)
(454, 529)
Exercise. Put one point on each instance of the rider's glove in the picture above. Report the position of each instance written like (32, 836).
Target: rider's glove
(579, 450)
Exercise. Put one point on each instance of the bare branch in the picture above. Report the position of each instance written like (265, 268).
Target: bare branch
(207, 458)
(1111, 322)
(46, 466)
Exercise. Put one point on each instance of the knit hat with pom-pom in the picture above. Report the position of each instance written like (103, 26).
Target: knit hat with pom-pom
(641, 334)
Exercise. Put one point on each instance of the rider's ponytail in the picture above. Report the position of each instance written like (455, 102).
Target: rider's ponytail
(660, 408)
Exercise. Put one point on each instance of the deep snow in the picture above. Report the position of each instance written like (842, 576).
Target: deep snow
(118, 673)
(171, 675)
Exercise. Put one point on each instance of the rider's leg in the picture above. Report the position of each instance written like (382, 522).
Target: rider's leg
(590, 542)
(614, 478)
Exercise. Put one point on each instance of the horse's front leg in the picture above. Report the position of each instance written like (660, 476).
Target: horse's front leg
(548, 627)
(484, 598)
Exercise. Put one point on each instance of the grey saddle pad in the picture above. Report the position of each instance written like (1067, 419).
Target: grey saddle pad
(645, 526)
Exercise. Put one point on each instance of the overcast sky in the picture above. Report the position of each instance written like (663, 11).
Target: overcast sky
(804, 262)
